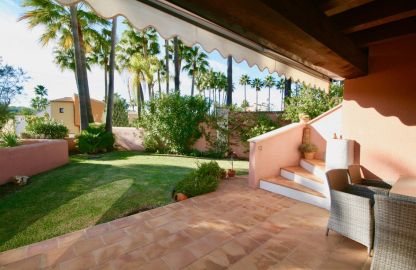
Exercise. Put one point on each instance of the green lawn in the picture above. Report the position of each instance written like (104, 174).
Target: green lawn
(90, 191)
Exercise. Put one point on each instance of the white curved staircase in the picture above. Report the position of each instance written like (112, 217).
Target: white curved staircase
(306, 182)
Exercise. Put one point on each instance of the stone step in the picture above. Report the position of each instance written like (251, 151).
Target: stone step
(317, 163)
(291, 189)
(282, 181)
(297, 170)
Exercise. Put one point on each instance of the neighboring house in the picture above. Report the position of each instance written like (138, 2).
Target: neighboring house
(66, 110)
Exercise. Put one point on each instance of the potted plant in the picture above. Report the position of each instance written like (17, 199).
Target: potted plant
(308, 150)
(304, 118)
(231, 172)
(180, 197)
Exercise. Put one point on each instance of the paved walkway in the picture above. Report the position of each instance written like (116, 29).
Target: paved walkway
(235, 227)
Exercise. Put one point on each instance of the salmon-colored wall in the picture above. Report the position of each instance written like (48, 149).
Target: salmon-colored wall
(380, 111)
(323, 128)
(34, 157)
(274, 150)
(97, 108)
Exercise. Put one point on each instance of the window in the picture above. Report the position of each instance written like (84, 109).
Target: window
(61, 110)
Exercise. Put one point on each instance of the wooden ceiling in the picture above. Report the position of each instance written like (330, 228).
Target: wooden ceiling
(327, 35)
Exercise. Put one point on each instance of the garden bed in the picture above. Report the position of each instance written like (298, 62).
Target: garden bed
(32, 157)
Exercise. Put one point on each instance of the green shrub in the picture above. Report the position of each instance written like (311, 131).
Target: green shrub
(120, 114)
(312, 102)
(95, 139)
(171, 123)
(9, 139)
(4, 114)
(44, 127)
(308, 148)
(203, 180)
(210, 168)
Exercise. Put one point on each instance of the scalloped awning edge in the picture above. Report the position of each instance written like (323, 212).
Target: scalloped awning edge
(142, 16)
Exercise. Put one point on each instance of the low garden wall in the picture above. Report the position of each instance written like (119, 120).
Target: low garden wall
(31, 158)
(129, 138)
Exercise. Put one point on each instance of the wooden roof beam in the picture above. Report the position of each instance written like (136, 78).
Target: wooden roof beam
(308, 37)
(374, 14)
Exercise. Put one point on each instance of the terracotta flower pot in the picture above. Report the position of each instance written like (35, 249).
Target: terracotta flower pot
(180, 197)
(309, 155)
(231, 173)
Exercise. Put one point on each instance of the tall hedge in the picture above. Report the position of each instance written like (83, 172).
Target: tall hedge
(171, 122)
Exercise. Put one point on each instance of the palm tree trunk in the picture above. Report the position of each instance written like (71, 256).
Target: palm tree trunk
(141, 96)
(176, 62)
(105, 82)
(158, 82)
(288, 88)
(229, 80)
(257, 99)
(193, 84)
(110, 102)
(269, 100)
(139, 99)
(167, 64)
(80, 69)
(245, 93)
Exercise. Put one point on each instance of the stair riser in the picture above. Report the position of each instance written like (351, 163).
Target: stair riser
(312, 169)
(304, 181)
(295, 194)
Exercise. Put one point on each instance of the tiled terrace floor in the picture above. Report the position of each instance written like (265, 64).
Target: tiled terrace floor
(235, 227)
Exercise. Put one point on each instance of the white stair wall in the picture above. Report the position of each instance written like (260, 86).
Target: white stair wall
(320, 187)
(295, 194)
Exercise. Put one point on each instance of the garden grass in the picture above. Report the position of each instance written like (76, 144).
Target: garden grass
(90, 191)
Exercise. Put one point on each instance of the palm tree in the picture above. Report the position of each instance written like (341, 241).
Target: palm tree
(111, 67)
(167, 56)
(132, 48)
(257, 84)
(65, 59)
(100, 55)
(229, 80)
(196, 62)
(72, 27)
(245, 80)
(178, 51)
(269, 82)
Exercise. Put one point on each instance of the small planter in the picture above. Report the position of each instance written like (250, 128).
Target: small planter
(309, 155)
(223, 174)
(180, 197)
(231, 173)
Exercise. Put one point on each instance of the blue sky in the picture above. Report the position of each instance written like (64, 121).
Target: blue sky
(20, 47)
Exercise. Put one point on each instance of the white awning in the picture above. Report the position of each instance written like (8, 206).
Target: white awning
(142, 15)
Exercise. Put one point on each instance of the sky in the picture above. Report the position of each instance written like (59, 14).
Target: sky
(20, 47)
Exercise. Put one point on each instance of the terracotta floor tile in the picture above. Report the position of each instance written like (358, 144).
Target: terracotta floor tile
(43, 246)
(56, 256)
(113, 236)
(235, 227)
(179, 258)
(87, 245)
(34, 262)
(108, 252)
(81, 262)
(97, 229)
(158, 264)
(13, 255)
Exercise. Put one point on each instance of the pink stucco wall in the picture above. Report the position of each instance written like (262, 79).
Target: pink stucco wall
(129, 138)
(31, 158)
(323, 128)
(380, 111)
(274, 150)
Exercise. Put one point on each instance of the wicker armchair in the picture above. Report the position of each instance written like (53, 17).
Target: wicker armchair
(351, 208)
(356, 177)
(395, 234)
